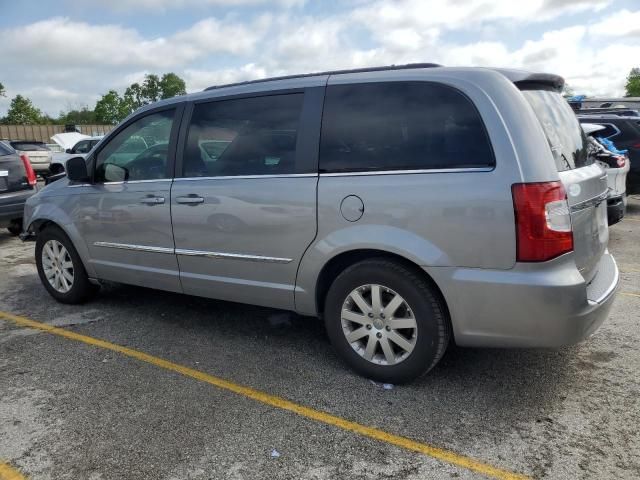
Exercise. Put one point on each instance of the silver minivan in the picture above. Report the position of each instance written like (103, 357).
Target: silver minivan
(408, 206)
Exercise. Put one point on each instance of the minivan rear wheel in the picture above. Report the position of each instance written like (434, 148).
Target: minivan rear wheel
(60, 268)
(386, 321)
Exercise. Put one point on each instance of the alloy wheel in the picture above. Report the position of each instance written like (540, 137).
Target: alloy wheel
(379, 324)
(57, 266)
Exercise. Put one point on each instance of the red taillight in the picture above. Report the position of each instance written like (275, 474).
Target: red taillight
(31, 175)
(543, 224)
(636, 145)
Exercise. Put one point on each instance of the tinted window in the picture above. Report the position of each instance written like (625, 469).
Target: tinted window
(139, 152)
(401, 126)
(248, 136)
(82, 147)
(566, 138)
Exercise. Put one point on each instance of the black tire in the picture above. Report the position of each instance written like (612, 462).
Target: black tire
(55, 169)
(81, 290)
(15, 229)
(433, 326)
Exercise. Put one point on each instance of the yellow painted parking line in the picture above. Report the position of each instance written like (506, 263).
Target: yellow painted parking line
(7, 472)
(631, 219)
(631, 294)
(438, 453)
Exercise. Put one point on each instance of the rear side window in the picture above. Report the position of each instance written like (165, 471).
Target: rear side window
(401, 126)
(246, 136)
(564, 134)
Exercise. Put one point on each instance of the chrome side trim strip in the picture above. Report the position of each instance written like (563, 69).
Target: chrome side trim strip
(592, 202)
(232, 256)
(233, 177)
(137, 248)
(408, 172)
(193, 253)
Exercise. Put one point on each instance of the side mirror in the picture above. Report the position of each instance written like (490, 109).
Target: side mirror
(77, 170)
(69, 150)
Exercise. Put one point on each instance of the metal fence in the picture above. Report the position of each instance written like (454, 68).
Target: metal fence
(43, 133)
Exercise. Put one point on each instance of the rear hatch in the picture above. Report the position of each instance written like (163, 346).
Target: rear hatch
(13, 175)
(584, 180)
(38, 152)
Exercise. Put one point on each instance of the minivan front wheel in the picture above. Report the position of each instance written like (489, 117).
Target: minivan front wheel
(386, 321)
(60, 268)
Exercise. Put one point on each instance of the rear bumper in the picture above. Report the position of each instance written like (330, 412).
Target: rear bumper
(531, 305)
(616, 208)
(40, 167)
(12, 205)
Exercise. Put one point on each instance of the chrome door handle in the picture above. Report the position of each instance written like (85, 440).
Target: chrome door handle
(152, 200)
(190, 200)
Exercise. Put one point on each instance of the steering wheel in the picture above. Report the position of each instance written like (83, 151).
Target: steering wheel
(150, 164)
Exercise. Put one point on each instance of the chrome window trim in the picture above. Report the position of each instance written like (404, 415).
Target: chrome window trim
(193, 253)
(232, 177)
(135, 181)
(137, 248)
(232, 256)
(408, 172)
(163, 180)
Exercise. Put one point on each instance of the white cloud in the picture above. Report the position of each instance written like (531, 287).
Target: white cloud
(60, 61)
(160, 6)
(620, 24)
(61, 41)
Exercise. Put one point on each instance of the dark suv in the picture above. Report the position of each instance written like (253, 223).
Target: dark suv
(17, 184)
(625, 133)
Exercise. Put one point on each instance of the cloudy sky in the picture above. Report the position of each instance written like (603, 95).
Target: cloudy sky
(65, 54)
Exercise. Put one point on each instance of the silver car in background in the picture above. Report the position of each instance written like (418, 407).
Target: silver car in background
(408, 206)
(39, 154)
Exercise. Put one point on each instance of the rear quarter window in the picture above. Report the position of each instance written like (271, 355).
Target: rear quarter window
(564, 134)
(401, 126)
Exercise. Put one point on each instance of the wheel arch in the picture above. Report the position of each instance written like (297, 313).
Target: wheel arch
(343, 260)
(39, 222)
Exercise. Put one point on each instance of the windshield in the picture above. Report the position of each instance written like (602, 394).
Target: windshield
(567, 140)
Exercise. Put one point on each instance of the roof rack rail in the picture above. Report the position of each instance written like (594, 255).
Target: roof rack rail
(330, 72)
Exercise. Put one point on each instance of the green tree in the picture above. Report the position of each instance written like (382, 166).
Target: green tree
(81, 116)
(133, 97)
(151, 88)
(633, 83)
(172, 85)
(22, 112)
(111, 108)
(2, 91)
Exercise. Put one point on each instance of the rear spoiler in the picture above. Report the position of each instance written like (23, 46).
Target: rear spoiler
(533, 81)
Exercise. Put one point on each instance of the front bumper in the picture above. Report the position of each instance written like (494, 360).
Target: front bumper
(12, 205)
(532, 305)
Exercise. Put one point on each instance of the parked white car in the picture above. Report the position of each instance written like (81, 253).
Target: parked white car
(616, 166)
(74, 145)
